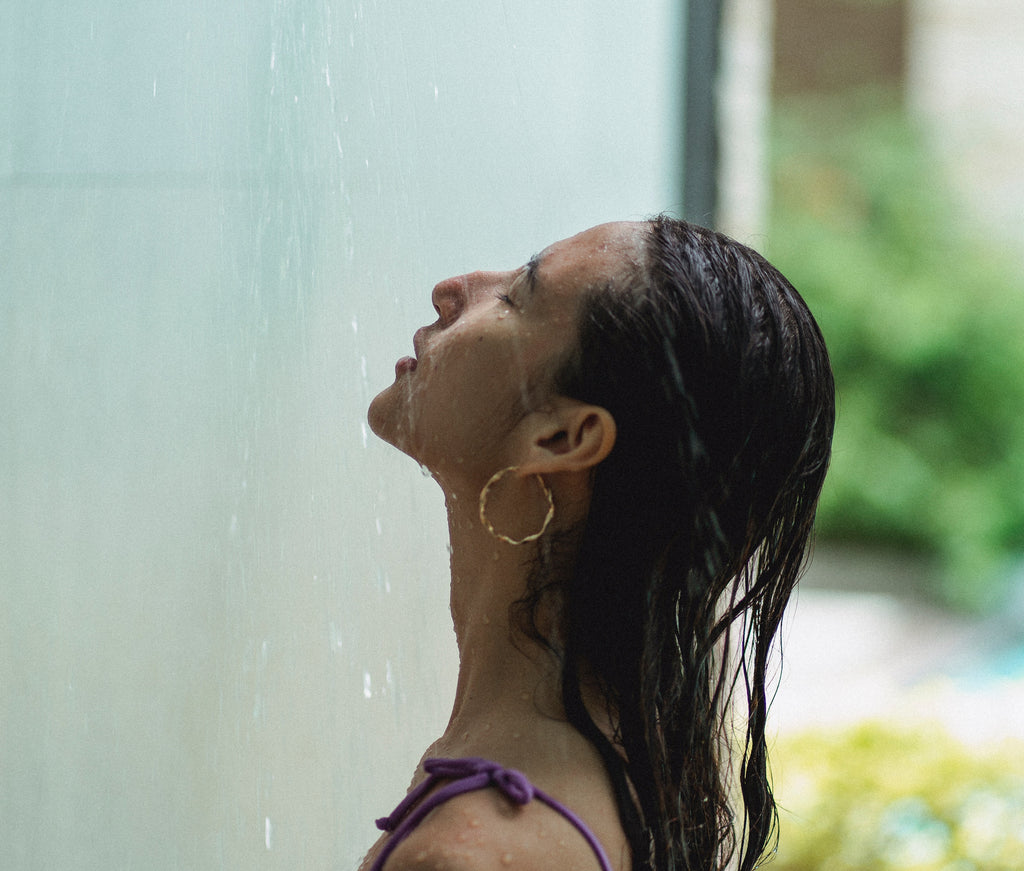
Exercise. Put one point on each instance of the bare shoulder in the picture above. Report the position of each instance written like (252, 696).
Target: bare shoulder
(483, 831)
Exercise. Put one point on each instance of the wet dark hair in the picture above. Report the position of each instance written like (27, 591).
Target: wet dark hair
(720, 385)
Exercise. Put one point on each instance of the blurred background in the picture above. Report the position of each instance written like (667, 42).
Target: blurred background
(224, 638)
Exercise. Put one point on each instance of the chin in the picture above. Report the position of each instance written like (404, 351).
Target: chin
(388, 418)
(381, 417)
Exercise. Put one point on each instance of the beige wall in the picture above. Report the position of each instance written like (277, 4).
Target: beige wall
(966, 81)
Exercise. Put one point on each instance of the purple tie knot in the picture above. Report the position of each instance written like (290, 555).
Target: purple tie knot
(514, 784)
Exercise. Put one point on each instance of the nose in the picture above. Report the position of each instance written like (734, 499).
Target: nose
(451, 296)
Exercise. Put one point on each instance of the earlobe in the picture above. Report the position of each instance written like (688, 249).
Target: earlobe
(574, 438)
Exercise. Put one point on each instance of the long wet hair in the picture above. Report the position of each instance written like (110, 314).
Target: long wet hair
(720, 385)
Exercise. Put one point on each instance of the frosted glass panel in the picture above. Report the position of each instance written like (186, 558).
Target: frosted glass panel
(224, 638)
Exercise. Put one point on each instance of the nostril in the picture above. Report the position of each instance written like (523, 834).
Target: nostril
(448, 298)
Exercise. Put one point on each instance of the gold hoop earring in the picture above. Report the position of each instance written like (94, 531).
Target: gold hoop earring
(497, 476)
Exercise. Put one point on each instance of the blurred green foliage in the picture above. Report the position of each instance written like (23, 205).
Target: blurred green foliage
(924, 319)
(879, 799)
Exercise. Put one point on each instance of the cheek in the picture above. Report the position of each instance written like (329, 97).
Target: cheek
(469, 403)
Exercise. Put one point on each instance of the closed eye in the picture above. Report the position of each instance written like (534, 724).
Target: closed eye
(505, 298)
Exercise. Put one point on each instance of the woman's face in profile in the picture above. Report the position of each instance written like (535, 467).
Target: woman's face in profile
(486, 361)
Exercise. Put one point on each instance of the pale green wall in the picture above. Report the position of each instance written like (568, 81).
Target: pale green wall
(220, 603)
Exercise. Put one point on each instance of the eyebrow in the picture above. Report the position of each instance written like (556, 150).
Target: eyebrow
(532, 267)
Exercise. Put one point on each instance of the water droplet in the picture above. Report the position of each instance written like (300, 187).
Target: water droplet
(377, 522)
(335, 631)
(474, 823)
(268, 833)
(355, 320)
(367, 685)
(424, 471)
(516, 736)
(506, 859)
(363, 431)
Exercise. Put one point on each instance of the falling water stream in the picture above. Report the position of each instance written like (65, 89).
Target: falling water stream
(223, 630)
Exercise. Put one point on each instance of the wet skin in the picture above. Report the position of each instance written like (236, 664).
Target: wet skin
(483, 365)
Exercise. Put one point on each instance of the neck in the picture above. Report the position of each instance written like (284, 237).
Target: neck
(508, 688)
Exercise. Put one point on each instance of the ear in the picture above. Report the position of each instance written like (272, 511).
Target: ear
(571, 437)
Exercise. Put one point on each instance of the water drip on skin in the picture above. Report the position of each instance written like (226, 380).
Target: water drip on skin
(506, 859)
(425, 472)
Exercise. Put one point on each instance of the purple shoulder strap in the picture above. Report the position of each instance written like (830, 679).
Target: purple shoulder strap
(467, 775)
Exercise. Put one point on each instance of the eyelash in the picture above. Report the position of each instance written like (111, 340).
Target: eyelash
(505, 298)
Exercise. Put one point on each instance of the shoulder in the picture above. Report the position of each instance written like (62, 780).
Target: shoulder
(483, 831)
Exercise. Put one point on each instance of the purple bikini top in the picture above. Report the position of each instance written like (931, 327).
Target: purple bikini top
(467, 775)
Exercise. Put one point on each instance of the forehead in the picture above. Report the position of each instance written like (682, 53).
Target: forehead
(601, 253)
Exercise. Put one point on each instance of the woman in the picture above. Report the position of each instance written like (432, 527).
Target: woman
(631, 433)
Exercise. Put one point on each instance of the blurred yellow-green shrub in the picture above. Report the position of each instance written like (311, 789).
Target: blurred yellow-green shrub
(924, 319)
(877, 798)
